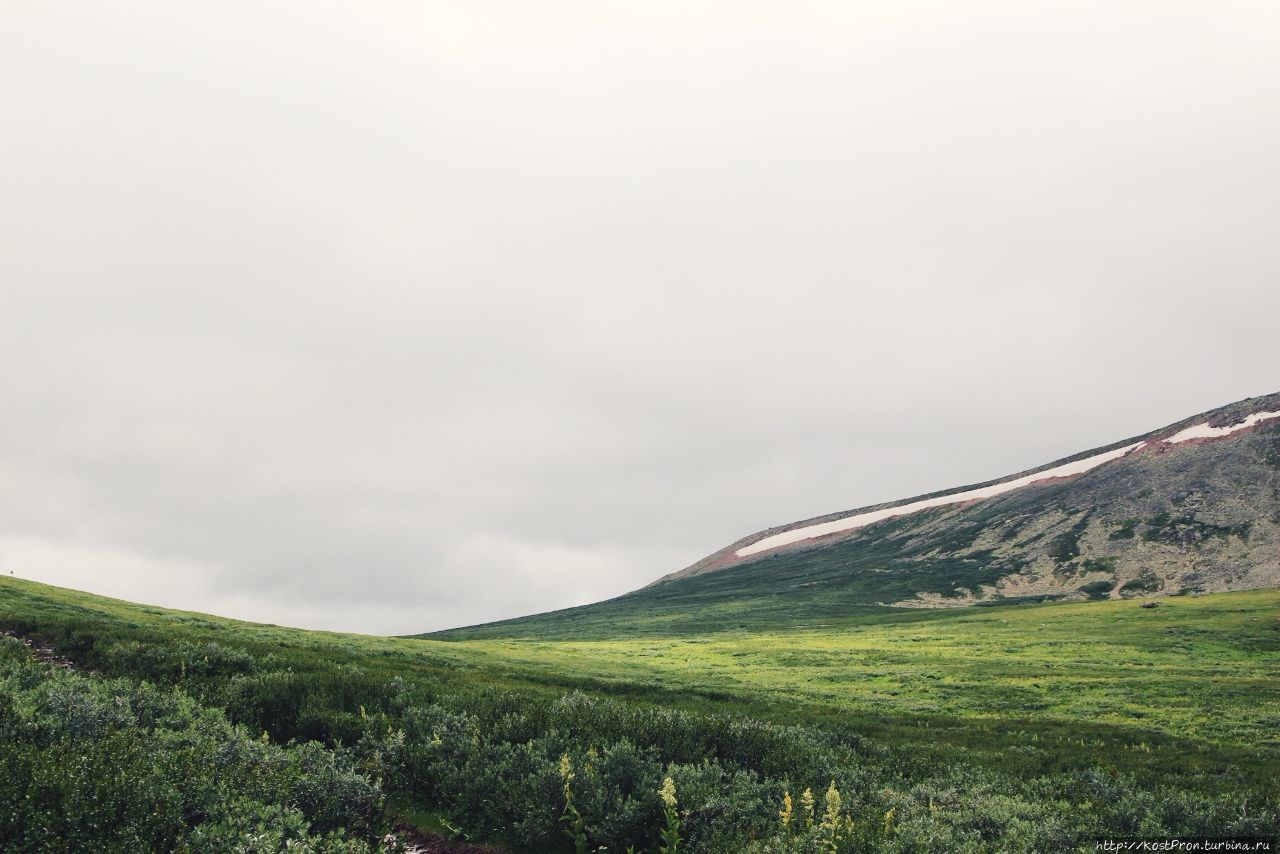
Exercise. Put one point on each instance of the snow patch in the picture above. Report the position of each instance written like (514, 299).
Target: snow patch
(860, 520)
(1204, 431)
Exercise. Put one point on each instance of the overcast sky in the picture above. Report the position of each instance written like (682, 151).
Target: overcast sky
(397, 316)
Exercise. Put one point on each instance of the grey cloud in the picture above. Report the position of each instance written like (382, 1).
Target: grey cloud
(398, 317)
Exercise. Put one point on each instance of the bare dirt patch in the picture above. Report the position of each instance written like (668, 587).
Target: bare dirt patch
(418, 842)
(40, 651)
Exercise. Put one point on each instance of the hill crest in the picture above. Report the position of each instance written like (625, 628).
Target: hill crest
(1211, 426)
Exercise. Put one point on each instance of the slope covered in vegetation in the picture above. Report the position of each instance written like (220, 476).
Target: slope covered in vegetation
(1010, 728)
(1169, 517)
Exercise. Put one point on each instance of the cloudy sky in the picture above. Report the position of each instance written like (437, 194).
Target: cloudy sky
(397, 316)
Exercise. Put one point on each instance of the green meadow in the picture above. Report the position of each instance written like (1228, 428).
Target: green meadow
(1018, 727)
(1203, 668)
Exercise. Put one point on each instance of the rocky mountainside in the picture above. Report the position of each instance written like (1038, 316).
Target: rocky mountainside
(1191, 508)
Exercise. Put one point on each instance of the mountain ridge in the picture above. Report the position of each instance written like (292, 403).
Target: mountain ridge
(1222, 416)
(1187, 508)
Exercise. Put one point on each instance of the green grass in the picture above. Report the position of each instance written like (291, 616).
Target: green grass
(1190, 685)
(1201, 672)
(1196, 667)
(1186, 694)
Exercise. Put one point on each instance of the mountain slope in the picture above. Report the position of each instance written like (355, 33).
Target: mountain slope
(1192, 507)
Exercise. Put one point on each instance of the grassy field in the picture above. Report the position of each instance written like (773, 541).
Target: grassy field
(1195, 667)
(1190, 684)
(1185, 695)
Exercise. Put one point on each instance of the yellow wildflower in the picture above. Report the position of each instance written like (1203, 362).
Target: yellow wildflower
(668, 793)
(832, 819)
(785, 814)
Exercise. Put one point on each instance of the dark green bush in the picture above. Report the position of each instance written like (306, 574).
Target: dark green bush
(110, 764)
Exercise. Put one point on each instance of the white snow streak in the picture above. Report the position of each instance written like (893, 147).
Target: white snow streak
(1204, 431)
(860, 520)
(848, 523)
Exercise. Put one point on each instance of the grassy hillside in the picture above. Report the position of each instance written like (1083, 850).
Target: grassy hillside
(999, 728)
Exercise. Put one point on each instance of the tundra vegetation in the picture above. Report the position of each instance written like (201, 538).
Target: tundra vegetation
(1015, 727)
